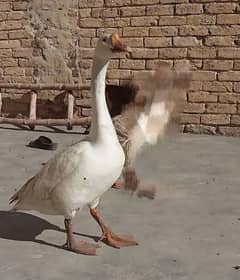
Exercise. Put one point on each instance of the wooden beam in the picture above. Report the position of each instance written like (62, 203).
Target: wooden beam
(70, 109)
(49, 122)
(0, 103)
(33, 108)
(44, 86)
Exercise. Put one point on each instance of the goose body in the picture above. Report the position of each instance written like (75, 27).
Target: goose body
(79, 175)
(73, 179)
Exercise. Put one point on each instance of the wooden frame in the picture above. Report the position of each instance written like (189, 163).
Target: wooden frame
(33, 120)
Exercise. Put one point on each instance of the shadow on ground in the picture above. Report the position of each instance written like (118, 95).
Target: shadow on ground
(26, 227)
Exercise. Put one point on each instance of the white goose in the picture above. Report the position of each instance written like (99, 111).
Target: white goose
(79, 175)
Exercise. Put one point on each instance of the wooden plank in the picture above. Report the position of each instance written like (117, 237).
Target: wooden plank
(49, 122)
(70, 109)
(33, 108)
(44, 86)
(0, 103)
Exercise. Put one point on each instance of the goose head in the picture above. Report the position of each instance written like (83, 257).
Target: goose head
(107, 45)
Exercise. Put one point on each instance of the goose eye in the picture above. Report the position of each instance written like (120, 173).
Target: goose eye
(104, 39)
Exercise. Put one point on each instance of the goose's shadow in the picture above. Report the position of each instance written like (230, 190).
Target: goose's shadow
(26, 227)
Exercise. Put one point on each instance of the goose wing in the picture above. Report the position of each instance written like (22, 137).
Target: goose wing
(54, 172)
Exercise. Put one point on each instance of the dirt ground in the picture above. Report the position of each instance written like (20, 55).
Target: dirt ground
(190, 231)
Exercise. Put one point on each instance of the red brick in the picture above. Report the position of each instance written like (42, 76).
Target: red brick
(195, 128)
(202, 97)
(229, 76)
(117, 22)
(14, 71)
(5, 7)
(3, 35)
(163, 31)
(235, 120)
(216, 86)
(87, 32)
(221, 108)
(5, 53)
(224, 30)
(3, 16)
(117, 3)
(134, 42)
(160, 10)
(228, 19)
(229, 98)
(188, 9)
(16, 15)
(186, 41)
(172, 20)
(201, 19)
(229, 131)
(132, 64)
(83, 13)
(204, 76)
(189, 118)
(90, 22)
(100, 31)
(144, 21)
(118, 74)
(132, 11)
(114, 63)
(145, 53)
(135, 32)
(153, 63)
(191, 30)
(229, 53)
(219, 41)
(8, 62)
(215, 119)
(194, 108)
(172, 53)
(90, 3)
(20, 6)
(220, 8)
(86, 53)
(24, 52)
(195, 85)
(20, 34)
(10, 25)
(157, 42)
(202, 52)
(237, 64)
(236, 87)
(218, 64)
(144, 2)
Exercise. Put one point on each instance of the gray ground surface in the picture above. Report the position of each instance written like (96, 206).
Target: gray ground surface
(190, 231)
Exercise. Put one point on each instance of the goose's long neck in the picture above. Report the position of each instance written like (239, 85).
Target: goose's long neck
(101, 121)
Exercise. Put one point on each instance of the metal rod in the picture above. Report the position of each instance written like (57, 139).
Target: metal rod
(44, 86)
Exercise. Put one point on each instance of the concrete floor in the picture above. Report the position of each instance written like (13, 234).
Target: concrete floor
(191, 231)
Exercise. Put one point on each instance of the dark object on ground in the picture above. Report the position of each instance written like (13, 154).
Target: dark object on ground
(44, 143)
(147, 192)
(237, 267)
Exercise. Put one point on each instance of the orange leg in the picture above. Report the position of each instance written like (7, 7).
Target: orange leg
(80, 247)
(108, 236)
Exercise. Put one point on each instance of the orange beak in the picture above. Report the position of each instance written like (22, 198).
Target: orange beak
(118, 45)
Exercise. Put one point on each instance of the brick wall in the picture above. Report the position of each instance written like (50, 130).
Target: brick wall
(205, 33)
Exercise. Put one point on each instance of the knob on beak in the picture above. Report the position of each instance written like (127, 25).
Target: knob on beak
(118, 45)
